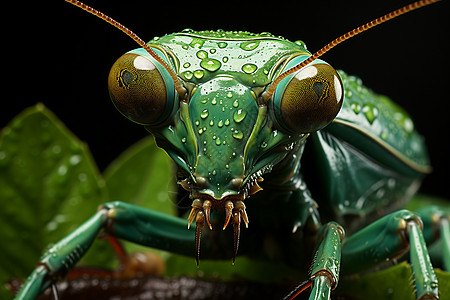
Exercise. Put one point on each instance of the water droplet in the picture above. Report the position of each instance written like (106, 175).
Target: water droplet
(187, 65)
(214, 172)
(197, 43)
(225, 59)
(211, 123)
(370, 112)
(238, 134)
(187, 75)
(198, 74)
(200, 131)
(227, 166)
(408, 125)
(210, 64)
(263, 145)
(300, 43)
(266, 71)
(218, 142)
(52, 226)
(75, 159)
(212, 51)
(185, 47)
(236, 103)
(183, 140)
(202, 54)
(239, 115)
(197, 122)
(348, 94)
(227, 122)
(250, 45)
(204, 114)
(356, 107)
(62, 170)
(222, 45)
(229, 94)
(249, 68)
(220, 124)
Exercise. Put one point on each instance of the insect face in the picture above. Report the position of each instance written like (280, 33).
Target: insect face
(223, 136)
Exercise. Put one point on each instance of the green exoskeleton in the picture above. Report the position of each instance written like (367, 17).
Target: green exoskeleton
(235, 110)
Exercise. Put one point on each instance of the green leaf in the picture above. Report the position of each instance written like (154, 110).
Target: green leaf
(245, 268)
(395, 282)
(49, 185)
(419, 201)
(143, 175)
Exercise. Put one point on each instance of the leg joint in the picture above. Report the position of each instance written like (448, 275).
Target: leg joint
(333, 279)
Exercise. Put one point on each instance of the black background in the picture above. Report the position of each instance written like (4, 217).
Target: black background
(59, 55)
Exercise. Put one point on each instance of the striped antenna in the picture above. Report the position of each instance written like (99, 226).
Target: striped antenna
(405, 9)
(178, 85)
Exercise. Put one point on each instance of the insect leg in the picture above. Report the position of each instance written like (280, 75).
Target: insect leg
(60, 258)
(387, 239)
(326, 265)
(149, 228)
(122, 220)
(436, 225)
(321, 289)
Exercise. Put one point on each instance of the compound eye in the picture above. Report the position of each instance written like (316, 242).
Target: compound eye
(138, 90)
(310, 100)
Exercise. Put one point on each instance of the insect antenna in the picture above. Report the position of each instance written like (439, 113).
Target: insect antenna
(178, 85)
(405, 9)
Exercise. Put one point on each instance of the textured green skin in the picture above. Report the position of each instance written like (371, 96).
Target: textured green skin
(369, 161)
(376, 162)
(223, 93)
(383, 121)
(234, 52)
(372, 123)
(330, 236)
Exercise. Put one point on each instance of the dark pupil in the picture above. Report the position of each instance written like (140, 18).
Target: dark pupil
(125, 78)
(321, 90)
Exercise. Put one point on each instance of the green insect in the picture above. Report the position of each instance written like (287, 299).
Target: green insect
(235, 110)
